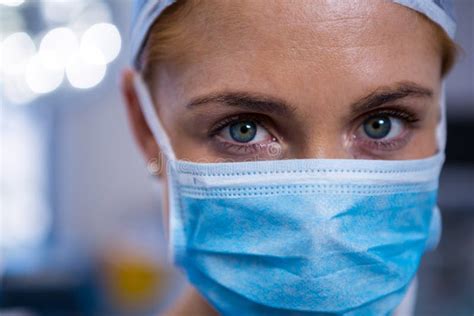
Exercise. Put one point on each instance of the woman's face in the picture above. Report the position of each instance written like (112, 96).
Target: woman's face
(300, 79)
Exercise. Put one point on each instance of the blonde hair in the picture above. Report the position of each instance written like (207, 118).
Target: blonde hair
(167, 31)
(160, 44)
(449, 50)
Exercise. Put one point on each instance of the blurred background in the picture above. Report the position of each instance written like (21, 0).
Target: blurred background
(80, 223)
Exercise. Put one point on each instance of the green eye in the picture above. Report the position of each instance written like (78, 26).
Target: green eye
(377, 127)
(243, 132)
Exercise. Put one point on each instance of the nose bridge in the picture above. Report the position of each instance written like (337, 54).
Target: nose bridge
(326, 149)
(325, 143)
(323, 126)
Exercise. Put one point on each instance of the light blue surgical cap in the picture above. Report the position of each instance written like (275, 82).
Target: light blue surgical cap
(145, 13)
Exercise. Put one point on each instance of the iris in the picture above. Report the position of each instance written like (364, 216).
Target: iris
(377, 127)
(243, 132)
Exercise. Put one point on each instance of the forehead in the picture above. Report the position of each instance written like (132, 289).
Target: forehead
(322, 45)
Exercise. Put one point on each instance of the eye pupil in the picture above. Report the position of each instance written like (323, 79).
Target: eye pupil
(377, 127)
(245, 129)
(377, 124)
(243, 132)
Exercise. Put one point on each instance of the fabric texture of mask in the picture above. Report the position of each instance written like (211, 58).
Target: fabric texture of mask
(145, 13)
(302, 236)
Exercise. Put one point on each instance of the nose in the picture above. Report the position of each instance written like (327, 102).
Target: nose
(326, 146)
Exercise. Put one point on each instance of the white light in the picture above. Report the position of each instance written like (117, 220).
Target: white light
(95, 12)
(82, 74)
(42, 79)
(61, 11)
(92, 55)
(12, 3)
(101, 38)
(57, 46)
(16, 90)
(16, 50)
(27, 224)
(25, 221)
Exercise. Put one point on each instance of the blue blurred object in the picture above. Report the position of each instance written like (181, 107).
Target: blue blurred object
(50, 283)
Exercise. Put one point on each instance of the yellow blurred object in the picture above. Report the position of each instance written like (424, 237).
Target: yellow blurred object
(133, 281)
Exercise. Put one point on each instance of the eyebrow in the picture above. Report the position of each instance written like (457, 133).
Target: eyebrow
(272, 105)
(246, 100)
(385, 95)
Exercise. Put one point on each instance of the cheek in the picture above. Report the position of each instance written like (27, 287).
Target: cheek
(423, 145)
(424, 142)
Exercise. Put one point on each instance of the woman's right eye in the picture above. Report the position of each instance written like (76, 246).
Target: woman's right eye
(245, 136)
(244, 132)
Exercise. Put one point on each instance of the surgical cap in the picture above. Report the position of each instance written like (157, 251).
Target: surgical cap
(145, 13)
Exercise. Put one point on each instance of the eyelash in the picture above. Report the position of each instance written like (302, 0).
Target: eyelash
(408, 118)
(399, 112)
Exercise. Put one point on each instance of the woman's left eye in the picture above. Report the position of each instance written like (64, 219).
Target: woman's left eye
(382, 127)
(245, 132)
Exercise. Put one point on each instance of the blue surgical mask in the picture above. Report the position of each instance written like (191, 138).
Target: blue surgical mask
(303, 236)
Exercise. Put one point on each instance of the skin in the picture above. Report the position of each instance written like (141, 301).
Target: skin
(310, 76)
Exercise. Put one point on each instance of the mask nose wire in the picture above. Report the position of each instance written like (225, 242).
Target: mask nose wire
(152, 118)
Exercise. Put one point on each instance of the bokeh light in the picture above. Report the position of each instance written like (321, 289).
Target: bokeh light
(17, 91)
(76, 40)
(57, 46)
(41, 78)
(100, 39)
(95, 12)
(17, 49)
(12, 3)
(61, 11)
(82, 74)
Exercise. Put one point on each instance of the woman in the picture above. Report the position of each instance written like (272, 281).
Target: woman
(302, 142)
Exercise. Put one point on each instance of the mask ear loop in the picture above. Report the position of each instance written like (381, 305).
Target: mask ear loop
(152, 118)
(177, 239)
(436, 221)
(441, 128)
